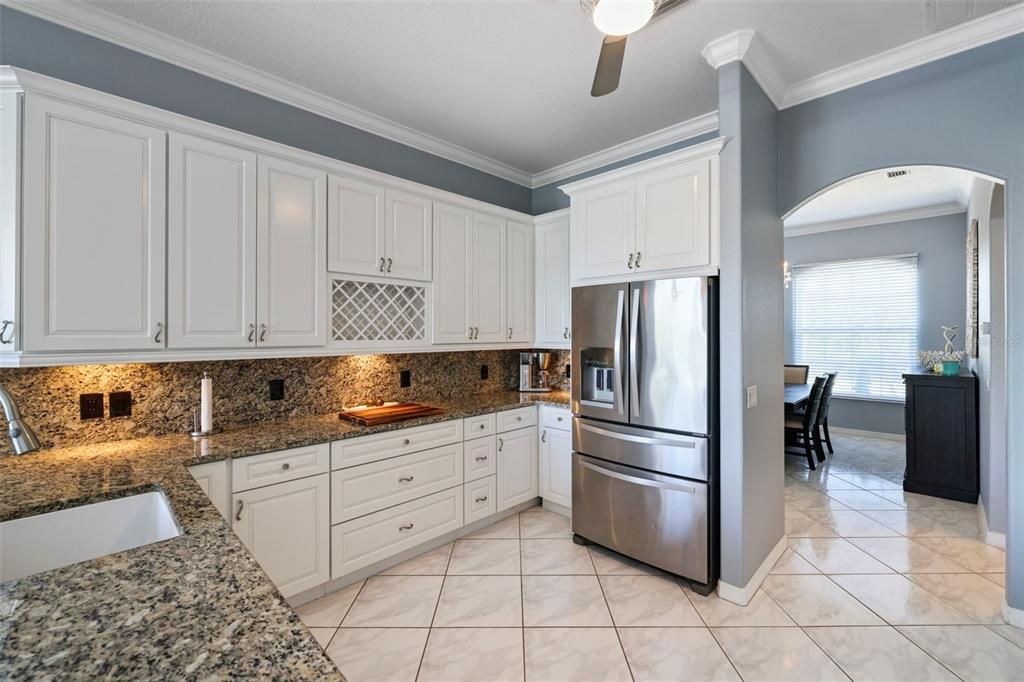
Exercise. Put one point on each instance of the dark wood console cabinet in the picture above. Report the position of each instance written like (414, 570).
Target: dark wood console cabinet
(942, 435)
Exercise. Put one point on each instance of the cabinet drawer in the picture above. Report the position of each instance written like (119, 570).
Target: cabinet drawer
(363, 541)
(555, 418)
(480, 458)
(481, 499)
(364, 449)
(280, 466)
(481, 425)
(516, 419)
(360, 490)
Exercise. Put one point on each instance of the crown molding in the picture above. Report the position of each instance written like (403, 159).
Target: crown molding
(949, 208)
(970, 34)
(108, 27)
(746, 46)
(699, 125)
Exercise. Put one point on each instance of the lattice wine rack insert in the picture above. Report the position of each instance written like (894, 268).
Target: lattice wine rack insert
(370, 311)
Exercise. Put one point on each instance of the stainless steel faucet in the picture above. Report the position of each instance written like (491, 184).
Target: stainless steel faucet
(23, 438)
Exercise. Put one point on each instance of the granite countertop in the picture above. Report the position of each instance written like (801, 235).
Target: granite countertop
(196, 606)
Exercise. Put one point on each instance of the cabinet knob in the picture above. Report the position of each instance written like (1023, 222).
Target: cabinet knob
(519, 419)
(406, 441)
(483, 426)
(559, 418)
(406, 479)
(408, 526)
(286, 466)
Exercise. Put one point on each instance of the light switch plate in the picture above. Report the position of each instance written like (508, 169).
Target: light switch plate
(751, 396)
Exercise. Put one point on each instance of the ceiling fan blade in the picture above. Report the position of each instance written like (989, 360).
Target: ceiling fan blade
(609, 65)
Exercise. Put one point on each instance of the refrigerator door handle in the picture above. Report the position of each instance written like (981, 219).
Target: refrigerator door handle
(632, 438)
(636, 480)
(619, 320)
(634, 329)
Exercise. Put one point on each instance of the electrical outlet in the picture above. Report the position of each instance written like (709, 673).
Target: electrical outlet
(90, 406)
(568, 370)
(120, 403)
(483, 372)
(405, 378)
(276, 389)
(751, 396)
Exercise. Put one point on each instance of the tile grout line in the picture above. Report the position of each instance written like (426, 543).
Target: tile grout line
(344, 615)
(707, 627)
(611, 616)
(430, 628)
(522, 592)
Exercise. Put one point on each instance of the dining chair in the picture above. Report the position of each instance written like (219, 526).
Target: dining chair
(796, 374)
(826, 401)
(802, 427)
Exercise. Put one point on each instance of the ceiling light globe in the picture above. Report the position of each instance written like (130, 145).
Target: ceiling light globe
(622, 17)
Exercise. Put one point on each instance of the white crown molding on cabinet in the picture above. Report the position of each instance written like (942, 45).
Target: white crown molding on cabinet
(970, 34)
(96, 22)
(904, 215)
(551, 217)
(698, 125)
(746, 46)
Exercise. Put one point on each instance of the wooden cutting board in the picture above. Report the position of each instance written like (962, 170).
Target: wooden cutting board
(374, 416)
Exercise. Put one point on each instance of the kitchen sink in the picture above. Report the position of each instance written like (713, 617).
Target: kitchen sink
(34, 544)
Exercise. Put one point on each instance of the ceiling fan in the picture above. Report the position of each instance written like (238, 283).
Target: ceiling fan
(617, 19)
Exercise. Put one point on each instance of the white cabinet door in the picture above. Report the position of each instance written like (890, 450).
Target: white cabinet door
(211, 244)
(408, 236)
(604, 230)
(673, 224)
(517, 467)
(553, 288)
(519, 282)
(287, 529)
(291, 272)
(10, 207)
(215, 480)
(487, 279)
(94, 230)
(355, 232)
(556, 466)
(451, 298)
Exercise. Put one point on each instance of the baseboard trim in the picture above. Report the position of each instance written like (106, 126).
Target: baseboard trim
(1013, 616)
(845, 430)
(743, 595)
(991, 537)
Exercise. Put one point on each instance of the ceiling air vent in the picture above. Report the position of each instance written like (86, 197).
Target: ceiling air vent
(897, 173)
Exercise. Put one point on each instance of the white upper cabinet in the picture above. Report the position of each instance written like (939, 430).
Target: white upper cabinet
(291, 299)
(10, 209)
(650, 219)
(356, 235)
(519, 281)
(94, 230)
(553, 292)
(211, 244)
(408, 241)
(487, 279)
(453, 229)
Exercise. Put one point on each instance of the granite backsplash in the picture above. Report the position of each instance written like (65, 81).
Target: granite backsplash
(165, 394)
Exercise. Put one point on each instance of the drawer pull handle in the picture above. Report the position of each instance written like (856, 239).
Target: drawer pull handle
(382, 265)
(238, 514)
(482, 459)
(543, 436)
(406, 441)
(8, 324)
(482, 499)
(286, 466)
(156, 338)
(406, 479)
(407, 526)
(501, 444)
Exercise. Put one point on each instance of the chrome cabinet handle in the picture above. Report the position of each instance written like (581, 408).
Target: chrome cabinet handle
(510, 333)
(238, 514)
(476, 332)
(629, 263)
(482, 459)
(482, 499)
(469, 333)
(159, 332)
(382, 264)
(406, 479)
(501, 444)
(252, 331)
(286, 466)
(7, 324)
(408, 526)
(263, 332)
(565, 334)
(544, 436)
(637, 263)
(389, 265)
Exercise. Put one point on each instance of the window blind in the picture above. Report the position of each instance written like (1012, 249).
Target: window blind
(858, 318)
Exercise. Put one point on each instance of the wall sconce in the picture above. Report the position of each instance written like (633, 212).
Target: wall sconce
(787, 274)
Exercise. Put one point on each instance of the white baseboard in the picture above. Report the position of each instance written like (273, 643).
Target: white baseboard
(991, 537)
(846, 431)
(743, 595)
(1014, 617)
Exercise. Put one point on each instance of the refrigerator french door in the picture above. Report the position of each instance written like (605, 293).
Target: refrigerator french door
(644, 458)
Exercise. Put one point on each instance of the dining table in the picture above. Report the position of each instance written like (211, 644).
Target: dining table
(795, 396)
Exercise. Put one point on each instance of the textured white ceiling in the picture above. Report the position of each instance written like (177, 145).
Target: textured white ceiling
(510, 79)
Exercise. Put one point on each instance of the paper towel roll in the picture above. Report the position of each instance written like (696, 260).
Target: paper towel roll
(206, 404)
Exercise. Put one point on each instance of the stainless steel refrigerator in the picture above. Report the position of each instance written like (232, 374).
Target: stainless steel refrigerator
(644, 400)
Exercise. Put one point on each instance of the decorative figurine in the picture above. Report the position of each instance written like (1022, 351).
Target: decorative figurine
(949, 333)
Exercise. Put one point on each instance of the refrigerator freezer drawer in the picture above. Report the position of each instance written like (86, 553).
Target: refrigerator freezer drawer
(660, 520)
(668, 453)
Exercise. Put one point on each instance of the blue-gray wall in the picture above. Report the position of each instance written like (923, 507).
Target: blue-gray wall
(54, 50)
(964, 111)
(940, 243)
(547, 198)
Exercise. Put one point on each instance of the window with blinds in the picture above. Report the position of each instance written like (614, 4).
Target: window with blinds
(858, 318)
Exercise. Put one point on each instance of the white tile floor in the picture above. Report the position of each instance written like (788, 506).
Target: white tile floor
(877, 584)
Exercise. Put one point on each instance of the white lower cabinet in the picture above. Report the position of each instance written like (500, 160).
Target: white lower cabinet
(215, 480)
(481, 457)
(556, 466)
(287, 528)
(481, 499)
(517, 467)
(371, 538)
